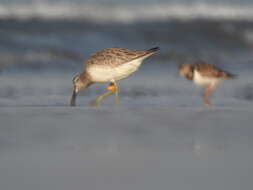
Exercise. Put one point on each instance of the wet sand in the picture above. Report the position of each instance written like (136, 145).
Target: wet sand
(126, 147)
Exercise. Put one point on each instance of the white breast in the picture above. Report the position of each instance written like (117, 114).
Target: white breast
(202, 80)
(107, 73)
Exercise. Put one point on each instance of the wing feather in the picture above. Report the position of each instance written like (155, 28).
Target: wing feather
(116, 56)
(211, 71)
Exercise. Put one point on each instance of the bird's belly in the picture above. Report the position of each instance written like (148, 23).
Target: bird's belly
(107, 73)
(202, 80)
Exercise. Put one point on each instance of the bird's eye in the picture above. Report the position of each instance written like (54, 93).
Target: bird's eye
(74, 80)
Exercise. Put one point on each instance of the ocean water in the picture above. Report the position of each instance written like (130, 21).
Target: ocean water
(32, 51)
(126, 11)
(160, 136)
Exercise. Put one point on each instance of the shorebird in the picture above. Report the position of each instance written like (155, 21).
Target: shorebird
(205, 75)
(109, 65)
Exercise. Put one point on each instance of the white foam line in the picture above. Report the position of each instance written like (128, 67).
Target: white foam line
(125, 13)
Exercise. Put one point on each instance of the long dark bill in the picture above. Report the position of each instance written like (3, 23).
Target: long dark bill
(73, 98)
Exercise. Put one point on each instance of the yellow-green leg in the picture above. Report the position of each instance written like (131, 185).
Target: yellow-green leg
(112, 88)
(116, 100)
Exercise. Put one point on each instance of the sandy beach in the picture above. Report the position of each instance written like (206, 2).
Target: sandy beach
(126, 148)
(160, 136)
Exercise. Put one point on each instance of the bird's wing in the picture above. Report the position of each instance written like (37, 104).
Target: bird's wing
(211, 71)
(117, 56)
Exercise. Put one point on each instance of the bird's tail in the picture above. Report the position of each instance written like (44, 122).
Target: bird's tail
(231, 76)
(153, 50)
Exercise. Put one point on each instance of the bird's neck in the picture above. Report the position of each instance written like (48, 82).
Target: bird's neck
(85, 79)
(190, 73)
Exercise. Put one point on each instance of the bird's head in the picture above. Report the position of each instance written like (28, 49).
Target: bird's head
(79, 82)
(186, 71)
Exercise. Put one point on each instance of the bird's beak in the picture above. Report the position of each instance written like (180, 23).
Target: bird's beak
(73, 98)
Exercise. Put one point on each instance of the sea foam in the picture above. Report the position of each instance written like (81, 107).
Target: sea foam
(126, 13)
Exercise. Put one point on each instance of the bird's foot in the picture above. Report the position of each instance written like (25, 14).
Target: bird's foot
(207, 104)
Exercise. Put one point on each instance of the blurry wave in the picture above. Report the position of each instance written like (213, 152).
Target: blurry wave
(39, 59)
(127, 13)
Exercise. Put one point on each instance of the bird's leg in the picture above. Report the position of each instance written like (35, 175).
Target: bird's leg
(207, 92)
(116, 100)
(111, 90)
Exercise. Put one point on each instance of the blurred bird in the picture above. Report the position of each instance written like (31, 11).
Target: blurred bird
(109, 65)
(204, 74)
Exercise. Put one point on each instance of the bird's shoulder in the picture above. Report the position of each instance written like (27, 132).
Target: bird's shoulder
(208, 70)
(113, 56)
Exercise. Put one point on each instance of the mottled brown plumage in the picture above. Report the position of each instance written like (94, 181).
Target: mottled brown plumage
(204, 74)
(208, 70)
(116, 56)
(109, 65)
(186, 70)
